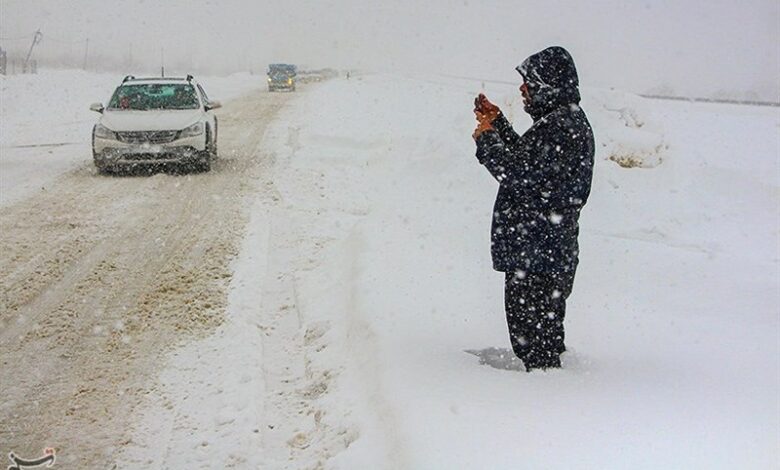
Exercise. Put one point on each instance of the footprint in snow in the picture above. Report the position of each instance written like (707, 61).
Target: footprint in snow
(498, 358)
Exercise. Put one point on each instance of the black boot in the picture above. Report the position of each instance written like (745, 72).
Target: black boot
(544, 361)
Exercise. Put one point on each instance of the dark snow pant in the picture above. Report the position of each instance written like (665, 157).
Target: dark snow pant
(535, 308)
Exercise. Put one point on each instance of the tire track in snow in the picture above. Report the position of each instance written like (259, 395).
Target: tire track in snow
(100, 276)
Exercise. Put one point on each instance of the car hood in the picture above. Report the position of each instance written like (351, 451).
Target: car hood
(149, 120)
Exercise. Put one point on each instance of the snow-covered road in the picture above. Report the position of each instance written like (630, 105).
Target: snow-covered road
(102, 275)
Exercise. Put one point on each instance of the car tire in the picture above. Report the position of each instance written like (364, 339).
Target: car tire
(103, 169)
(212, 148)
(203, 164)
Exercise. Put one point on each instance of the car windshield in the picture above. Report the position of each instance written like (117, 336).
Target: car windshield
(281, 71)
(154, 96)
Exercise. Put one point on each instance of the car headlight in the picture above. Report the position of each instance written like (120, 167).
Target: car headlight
(194, 130)
(103, 132)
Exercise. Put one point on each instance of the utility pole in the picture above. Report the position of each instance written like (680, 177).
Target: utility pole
(162, 61)
(36, 39)
(86, 53)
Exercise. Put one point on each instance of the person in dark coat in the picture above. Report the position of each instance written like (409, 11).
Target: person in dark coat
(544, 181)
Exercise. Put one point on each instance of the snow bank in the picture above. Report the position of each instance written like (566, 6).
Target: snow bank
(207, 403)
(51, 107)
(46, 124)
(45, 127)
(673, 317)
(632, 135)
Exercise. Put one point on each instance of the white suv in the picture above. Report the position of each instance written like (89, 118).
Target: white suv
(155, 121)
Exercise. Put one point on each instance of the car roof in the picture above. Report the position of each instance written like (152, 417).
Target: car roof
(157, 80)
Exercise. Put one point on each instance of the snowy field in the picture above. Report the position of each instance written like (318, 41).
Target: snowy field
(365, 273)
(672, 327)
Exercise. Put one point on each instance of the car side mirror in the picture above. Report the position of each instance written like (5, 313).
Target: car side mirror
(213, 105)
(97, 107)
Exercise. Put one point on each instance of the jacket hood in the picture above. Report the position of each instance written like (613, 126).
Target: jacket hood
(552, 80)
(149, 120)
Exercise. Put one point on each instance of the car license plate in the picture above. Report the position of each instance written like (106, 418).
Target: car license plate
(151, 148)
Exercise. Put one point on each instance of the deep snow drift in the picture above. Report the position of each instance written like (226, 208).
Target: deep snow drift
(672, 327)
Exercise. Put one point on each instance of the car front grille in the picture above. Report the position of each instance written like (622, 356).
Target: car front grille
(149, 137)
(151, 157)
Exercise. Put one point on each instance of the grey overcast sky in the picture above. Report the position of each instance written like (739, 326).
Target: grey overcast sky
(694, 47)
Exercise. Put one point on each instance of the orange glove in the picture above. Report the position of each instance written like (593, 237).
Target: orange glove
(486, 112)
(483, 124)
(483, 106)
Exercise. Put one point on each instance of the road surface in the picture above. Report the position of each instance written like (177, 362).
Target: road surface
(101, 275)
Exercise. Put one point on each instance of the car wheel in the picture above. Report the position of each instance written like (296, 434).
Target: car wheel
(213, 145)
(100, 164)
(204, 166)
(203, 163)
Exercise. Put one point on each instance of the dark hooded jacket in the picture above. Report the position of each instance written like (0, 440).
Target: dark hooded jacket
(544, 175)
